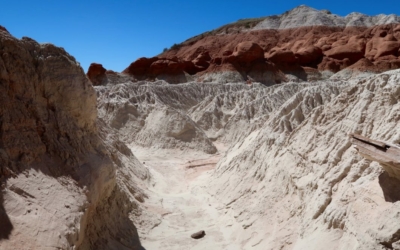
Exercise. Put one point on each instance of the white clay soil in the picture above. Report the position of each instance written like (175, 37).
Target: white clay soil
(178, 194)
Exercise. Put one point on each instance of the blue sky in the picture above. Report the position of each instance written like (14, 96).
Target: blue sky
(115, 33)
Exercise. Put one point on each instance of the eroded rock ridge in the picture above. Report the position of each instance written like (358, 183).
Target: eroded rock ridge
(301, 45)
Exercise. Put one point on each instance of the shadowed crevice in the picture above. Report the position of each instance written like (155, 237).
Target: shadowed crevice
(390, 187)
(5, 223)
(110, 227)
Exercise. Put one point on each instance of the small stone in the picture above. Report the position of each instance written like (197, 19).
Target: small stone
(198, 235)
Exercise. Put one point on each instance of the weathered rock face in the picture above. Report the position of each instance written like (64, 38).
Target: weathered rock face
(294, 167)
(34, 100)
(55, 172)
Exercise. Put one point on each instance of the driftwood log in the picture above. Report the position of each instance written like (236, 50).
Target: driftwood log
(386, 154)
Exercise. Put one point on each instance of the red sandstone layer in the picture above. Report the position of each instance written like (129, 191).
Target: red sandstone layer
(300, 51)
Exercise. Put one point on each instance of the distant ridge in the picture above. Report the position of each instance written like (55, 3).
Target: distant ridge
(303, 15)
(302, 44)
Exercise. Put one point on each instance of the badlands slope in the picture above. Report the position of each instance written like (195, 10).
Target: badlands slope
(257, 166)
(261, 167)
(285, 175)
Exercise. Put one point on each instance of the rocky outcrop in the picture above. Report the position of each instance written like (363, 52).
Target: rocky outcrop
(325, 49)
(294, 42)
(56, 173)
(96, 73)
(247, 52)
(281, 56)
(308, 55)
(382, 44)
(140, 66)
(173, 70)
(353, 50)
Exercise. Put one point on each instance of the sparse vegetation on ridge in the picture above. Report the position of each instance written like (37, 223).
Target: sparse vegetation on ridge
(239, 25)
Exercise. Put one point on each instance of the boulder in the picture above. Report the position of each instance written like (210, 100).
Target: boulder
(165, 66)
(281, 56)
(198, 235)
(379, 47)
(308, 55)
(248, 52)
(354, 50)
(162, 66)
(140, 66)
(96, 73)
(387, 48)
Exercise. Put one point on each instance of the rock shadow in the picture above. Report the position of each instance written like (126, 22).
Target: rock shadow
(390, 187)
(5, 223)
(111, 226)
(295, 70)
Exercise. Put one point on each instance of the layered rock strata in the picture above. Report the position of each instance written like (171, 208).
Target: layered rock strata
(302, 44)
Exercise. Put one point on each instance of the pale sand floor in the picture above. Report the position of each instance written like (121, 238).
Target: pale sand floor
(178, 194)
